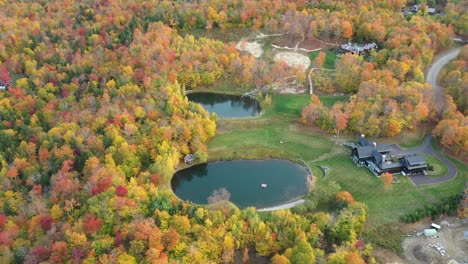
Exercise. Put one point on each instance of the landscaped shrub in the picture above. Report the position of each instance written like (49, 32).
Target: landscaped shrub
(386, 236)
(445, 206)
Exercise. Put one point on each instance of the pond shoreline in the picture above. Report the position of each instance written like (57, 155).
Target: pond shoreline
(286, 181)
(282, 206)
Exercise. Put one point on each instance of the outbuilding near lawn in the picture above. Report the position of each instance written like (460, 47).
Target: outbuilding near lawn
(430, 232)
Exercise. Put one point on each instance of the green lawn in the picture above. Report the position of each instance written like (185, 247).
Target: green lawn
(292, 105)
(387, 204)
(277, 133)
(271, 141)
(330, 58)
(440, 169)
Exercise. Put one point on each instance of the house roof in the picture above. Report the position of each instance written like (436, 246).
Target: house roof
(390, 165)
(365, 152)
(363, 142)
(359, 48)
(382, 148)
(430, 232)
(189, 158)
(377, 157)
(415, 160)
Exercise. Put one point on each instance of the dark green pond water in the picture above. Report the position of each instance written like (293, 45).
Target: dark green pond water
(226, 105)
(243, 178)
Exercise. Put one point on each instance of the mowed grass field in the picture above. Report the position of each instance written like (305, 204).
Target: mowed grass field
(387, 204)
(277, 133)
(330, 58)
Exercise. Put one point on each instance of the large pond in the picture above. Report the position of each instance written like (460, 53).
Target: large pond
(243, 179)
(226, 105)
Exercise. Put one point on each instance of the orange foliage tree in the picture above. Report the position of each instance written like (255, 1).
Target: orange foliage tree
(387, 178)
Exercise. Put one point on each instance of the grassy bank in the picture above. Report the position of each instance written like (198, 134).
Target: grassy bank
(439, 169)
(277, 133)
(330, 58)
(387, 204)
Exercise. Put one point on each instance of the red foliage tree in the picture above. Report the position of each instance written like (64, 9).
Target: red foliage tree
(46, 222)
(155, 179)
(78, 255)
(118, 239)
(3, 220)
(38, 255)
(345, 196)
(91, 224)
(387, 178)
(121, 191)
(59, 252)
(102, 185)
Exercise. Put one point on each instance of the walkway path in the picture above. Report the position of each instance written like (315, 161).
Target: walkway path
(283, 206)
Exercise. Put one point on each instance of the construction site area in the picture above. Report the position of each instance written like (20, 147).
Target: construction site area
(446, 243)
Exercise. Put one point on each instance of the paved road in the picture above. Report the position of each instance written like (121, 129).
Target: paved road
(426, 147)
(283, 206)
(434, 71)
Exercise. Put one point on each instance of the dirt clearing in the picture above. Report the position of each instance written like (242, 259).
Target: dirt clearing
(253, 48)
(295, 60)
(450, 243)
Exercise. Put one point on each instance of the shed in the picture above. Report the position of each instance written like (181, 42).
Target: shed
(189, 158)
(430, 232)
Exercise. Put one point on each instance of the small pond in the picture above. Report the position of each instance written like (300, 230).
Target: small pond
(285, 181)
(226, 105)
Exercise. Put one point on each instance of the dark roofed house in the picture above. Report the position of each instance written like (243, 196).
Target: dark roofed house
(363, 141)
(365, 152)
(414, 164)
(383, 148)
(379, 160)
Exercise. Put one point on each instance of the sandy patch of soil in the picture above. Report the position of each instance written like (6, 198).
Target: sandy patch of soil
(253, 48)
(418, 249)
(295, 60)
(288, 88)
(309, 44)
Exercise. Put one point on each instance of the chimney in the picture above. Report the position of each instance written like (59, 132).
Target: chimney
(384, 158)
(374, 144)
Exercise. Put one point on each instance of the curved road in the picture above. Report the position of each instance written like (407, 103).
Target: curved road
(426, 147)
(434, 71)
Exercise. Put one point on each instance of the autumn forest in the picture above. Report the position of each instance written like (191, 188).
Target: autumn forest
(96, 122)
